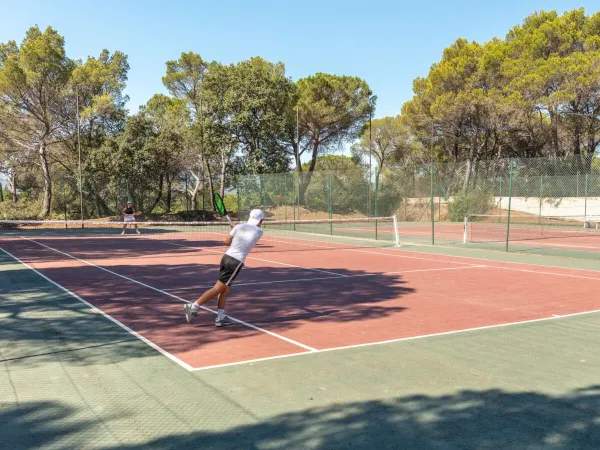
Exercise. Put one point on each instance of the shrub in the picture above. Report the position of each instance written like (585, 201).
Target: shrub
(462, 205)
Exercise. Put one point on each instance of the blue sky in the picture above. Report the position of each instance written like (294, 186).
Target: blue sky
(388, 43)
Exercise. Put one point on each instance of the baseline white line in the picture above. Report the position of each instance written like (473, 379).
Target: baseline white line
(107, 316)
(249, 325)
(545, 273)
(330, 278)
(411, 338)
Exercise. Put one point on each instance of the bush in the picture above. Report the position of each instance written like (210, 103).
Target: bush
(462, 205)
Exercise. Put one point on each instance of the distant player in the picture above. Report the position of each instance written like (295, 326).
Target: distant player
(242, 238)
(129, 214)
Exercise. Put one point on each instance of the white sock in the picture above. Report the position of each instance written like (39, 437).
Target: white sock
(220, 314)
(195, 307)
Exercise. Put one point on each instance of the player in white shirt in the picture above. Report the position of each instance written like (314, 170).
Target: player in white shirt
(240, 241)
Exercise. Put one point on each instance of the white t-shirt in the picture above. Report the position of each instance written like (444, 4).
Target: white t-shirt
(245, 236)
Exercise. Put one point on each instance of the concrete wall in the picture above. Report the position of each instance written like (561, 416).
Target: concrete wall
(564, 206)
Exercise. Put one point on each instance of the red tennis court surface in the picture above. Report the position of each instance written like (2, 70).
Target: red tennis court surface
(308, 298)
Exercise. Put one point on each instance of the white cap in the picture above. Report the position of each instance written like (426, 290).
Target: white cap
(256, 215)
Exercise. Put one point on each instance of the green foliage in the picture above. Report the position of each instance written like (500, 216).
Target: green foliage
(461, 205)
(231, 203)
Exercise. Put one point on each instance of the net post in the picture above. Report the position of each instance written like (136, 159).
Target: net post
(465, 226)
(396, 236)
(510, 182)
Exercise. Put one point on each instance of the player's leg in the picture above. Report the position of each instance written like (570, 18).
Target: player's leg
(124, 227)
(136, 228)
(231, 269)
(192, 309)
(222, 320)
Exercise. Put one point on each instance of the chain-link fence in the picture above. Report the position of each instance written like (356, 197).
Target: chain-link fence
(541, 205)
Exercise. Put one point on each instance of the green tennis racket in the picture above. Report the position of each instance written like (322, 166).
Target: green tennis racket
(221, 207)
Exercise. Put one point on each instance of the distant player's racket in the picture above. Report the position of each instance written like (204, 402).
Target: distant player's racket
(221, 207)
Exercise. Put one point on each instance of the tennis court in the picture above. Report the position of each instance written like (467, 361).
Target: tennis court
(312, 295)
(297, 294)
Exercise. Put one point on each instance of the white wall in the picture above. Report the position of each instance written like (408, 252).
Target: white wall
(564, 206)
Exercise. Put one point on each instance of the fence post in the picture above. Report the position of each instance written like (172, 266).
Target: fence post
(432, 206)
(294, 197)
(239, 201)
(376, 206)
(585, 201)
(439, 203)
(64, 198)
(509, 201)
(541, 193)
(329, 203)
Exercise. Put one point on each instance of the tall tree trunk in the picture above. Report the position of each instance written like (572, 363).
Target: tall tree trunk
(158, 195)
(47, 180)
(211, 186)
(169, 192)
(223, 174)
(554, 132)
(305, 181)
(13, 185)
(194, 192)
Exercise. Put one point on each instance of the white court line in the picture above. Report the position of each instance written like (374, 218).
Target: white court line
(107, 316)
(546, 273)
(259, 259)
(329, 278)
(397, 250)
(391, 341)
(545, 244)
(450, 256)
(249, 325)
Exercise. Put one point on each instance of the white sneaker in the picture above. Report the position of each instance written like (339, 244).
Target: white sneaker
(225, 321)
(137, 231)
(122, 233)
(189, 314)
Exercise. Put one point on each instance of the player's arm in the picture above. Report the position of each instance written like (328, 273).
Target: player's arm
(229, 237)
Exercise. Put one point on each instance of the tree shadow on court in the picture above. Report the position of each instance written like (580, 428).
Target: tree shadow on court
(470, 419)
(101, 249)
(44, 323)
(41, 323)
(354, 295)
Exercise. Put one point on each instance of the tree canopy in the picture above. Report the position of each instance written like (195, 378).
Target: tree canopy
(535, 92)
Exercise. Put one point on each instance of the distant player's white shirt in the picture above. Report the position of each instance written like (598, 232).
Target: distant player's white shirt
(245, 236)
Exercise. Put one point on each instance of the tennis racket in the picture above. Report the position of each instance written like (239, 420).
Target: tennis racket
(221, 207)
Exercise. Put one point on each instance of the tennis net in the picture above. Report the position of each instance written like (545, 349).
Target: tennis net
(279, 235)
(498, 228)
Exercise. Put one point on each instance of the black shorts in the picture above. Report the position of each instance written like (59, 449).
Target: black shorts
(230, 268)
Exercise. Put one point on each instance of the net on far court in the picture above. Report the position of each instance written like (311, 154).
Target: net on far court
(279, 235)
(571, 236)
